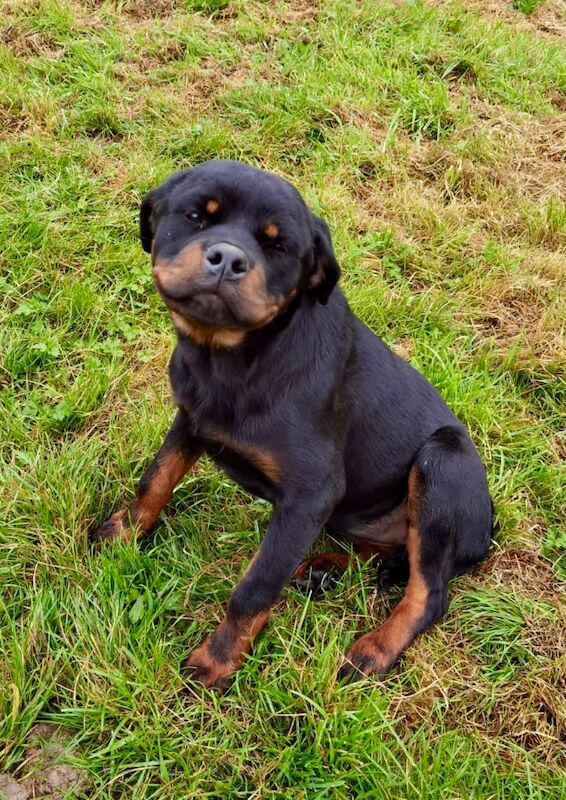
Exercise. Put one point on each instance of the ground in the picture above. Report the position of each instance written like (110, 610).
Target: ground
(432, 138)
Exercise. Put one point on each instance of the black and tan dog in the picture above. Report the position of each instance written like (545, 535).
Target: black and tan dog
(277, 381)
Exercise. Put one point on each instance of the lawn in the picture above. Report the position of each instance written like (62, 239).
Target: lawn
(432, 138)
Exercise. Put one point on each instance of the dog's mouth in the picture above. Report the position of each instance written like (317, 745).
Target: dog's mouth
(218, 304)
(206, 308)
(219, 286)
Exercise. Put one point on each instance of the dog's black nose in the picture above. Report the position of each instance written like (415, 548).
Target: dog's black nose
(226, 260)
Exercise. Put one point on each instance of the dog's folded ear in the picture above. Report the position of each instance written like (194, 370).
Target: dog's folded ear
(326, 270)
(150, 207)
(147, 212)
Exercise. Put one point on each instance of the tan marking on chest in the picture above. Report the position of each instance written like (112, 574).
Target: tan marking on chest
(263, 460)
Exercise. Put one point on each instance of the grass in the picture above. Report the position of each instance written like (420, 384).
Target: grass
(431, 136)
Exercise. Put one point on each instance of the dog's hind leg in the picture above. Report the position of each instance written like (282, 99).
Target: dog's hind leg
(393, 570)
(449, 529)
(319, 573)
(381, 537)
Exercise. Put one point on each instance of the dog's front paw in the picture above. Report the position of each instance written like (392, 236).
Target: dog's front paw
(201, 666)
(365, 657)
(116, 527)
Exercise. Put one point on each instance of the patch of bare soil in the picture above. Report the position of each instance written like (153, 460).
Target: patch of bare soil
(24, 43)
(172, 50)
(453, 177)
(530, 711)
(449, 683)
(521, 314)
(142, 9)
(538, 159)
(300, 11)
(10, 121)
(549, 19)
(528, 155)
(201, 86)
(198, 86)
(45, 775)
(526, 572)
(285, 12)
(403, 347)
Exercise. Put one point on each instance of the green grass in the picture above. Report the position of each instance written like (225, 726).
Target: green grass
(431, 137)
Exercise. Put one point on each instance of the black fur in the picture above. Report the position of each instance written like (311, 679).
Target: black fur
(343, 417)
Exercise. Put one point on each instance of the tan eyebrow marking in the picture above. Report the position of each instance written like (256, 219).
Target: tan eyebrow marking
(271, 230)
(212, 206)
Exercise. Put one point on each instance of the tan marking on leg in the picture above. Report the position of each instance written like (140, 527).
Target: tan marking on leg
(222, 653)
(115, 527)
(171, 469)
(379, 650)
(143, 512)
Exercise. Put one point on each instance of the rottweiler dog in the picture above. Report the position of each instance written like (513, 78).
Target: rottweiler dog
(296, 399)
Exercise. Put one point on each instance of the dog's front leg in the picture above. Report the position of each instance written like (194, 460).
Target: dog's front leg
(292, 530)
(178, 453)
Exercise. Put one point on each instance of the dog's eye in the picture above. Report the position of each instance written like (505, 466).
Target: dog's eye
(194, 216)
(273, 244)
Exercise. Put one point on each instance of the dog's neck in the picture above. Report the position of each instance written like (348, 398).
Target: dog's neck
(281, 349)
(290, 354)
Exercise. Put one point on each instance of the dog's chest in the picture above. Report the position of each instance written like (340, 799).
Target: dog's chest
(237, 435)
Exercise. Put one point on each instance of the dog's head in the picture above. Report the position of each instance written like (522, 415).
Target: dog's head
(231, 247)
